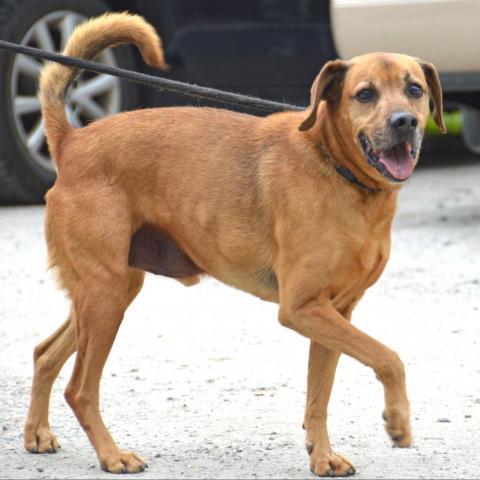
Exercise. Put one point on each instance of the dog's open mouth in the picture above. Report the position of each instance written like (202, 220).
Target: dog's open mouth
(396, 163)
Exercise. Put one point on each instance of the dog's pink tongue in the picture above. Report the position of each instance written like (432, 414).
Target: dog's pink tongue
(398, 161)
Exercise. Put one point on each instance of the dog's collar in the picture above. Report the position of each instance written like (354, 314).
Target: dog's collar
(346, 173)
(350, 177)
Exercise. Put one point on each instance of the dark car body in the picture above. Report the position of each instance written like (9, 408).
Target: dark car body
(267, 48)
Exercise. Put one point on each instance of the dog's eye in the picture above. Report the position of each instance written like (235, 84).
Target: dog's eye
(414, 90)
(365, 95)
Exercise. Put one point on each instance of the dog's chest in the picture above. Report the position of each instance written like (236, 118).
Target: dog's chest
(372, 261)
(359, 262)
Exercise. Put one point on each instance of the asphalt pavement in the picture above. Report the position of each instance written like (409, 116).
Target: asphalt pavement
(204, 383)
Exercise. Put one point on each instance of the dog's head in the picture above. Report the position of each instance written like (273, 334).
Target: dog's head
(379, 105)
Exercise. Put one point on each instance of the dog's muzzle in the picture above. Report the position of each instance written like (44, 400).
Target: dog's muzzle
(394, 151)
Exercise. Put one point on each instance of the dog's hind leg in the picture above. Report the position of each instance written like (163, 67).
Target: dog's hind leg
(49, 358)
(100, 307)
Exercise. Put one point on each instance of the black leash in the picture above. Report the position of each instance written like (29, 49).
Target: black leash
(179, 88)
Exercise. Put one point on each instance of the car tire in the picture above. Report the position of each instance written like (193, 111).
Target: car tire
(26, 170)
(471, 129)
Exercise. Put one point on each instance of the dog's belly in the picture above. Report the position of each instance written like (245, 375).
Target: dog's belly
(154, 250)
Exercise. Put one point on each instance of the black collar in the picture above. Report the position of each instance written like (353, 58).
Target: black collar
(350, 177)
(347, 174)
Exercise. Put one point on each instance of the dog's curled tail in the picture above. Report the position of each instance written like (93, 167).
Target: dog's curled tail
(87, 41)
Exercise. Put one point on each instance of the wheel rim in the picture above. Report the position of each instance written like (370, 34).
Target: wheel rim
(92, 96)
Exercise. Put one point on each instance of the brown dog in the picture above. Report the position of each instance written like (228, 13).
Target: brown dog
(295, 208)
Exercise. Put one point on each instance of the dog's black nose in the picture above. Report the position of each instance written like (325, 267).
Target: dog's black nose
(403, 121)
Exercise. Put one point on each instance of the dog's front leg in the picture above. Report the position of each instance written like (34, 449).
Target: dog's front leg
(322, 363)
(318, 320)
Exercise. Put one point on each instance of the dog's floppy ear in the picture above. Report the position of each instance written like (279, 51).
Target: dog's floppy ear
(327, 86)
(435, 91)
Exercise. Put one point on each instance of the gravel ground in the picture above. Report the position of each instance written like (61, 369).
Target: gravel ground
(203, 382)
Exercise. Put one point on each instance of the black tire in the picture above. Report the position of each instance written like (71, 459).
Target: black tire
(22, 178)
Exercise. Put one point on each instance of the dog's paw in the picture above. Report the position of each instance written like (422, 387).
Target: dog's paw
(40, 440)
(397, 424)
(328, 463)
(123, 462)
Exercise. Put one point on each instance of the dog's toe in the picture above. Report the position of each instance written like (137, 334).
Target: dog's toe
(330, 464)
(40, 440)
(123, 462)
(397, 424)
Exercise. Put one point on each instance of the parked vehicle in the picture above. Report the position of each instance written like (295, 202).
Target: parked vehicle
(268, 48)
